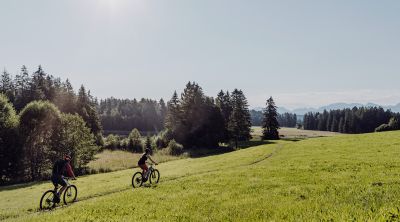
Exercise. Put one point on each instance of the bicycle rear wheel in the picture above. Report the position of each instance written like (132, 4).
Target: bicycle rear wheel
(154, 177)
(70, 194)
(137, 180)
(47, 200)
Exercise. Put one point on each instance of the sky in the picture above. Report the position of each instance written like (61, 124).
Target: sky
(302, 53)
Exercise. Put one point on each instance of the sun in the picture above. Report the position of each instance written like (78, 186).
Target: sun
(119, 6)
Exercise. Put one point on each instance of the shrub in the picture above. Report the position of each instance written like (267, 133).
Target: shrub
(38, 122)
(135, 141)
(393, 124)
(10, 154)
(112, 142)
(74, 137)
(175, 148)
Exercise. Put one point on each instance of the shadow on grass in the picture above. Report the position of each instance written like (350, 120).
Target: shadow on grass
(203, 152)
(297, 139)
(251, 143)
(22, 185)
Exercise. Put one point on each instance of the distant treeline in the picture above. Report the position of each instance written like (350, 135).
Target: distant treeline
(125, 114)
(355, 120)
(284, 120)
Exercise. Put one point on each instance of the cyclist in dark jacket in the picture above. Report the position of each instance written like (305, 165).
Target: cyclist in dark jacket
(142, 162)
(62, 168)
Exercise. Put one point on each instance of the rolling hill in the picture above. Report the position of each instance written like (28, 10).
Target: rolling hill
(344, 177)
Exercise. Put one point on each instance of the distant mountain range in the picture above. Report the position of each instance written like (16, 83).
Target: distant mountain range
(302, 111)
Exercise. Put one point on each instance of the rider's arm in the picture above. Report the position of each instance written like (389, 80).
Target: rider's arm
(152, 160)
(70, 172)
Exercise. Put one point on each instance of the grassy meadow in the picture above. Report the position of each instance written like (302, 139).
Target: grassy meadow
(113, 160)
(338, 178)
(293, 133)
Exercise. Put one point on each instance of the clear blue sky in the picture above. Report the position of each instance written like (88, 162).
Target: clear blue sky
(304, 53)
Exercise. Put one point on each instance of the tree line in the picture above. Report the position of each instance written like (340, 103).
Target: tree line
(42, 118)
(40, 86)
(126, 114)
(355, 120)
(284, 119)
(40, 134)
(196, 120)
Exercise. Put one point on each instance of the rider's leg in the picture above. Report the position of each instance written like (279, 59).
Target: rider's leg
(62, 189)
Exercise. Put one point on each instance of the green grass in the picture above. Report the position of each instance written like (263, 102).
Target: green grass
(110, 160)
(340, 178)
(293, 133)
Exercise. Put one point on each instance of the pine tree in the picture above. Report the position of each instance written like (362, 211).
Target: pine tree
(7, 86)
(173, 113)
(270, 122)
(223, 102)
(87, 110)
(239, 125)
(148, 142)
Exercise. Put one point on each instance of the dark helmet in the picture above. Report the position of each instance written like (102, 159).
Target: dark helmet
(67, 156)
(147, 150)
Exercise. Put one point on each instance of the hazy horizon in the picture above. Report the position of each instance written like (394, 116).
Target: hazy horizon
(304, 54)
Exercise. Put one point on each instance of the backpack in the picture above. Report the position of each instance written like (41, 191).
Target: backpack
(59, 167)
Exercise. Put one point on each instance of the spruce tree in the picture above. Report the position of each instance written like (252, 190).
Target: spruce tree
(223, 102)
(270, 122)
(173, 113)
(239, 125)
(7, 86)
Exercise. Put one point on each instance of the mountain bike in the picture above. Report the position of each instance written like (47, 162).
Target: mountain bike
(48, 198)
(152, 175)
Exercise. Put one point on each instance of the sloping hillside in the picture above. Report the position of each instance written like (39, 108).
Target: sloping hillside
(343, 177)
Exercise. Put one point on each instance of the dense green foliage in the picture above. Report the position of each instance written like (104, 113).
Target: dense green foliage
(43, 135)
(145, 115)
(270, 123)
(239, 125)
(174, 148)
(340, 178)
(74, 137)
(38, 122)
(25, 88)
(356, 120)
(196, 120)
(10, 153)
(393, 124)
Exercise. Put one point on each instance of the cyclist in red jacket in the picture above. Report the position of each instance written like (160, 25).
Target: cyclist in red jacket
(62, 168)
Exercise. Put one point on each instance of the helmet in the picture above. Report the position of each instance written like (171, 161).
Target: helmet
(147, 150)
(67, 156)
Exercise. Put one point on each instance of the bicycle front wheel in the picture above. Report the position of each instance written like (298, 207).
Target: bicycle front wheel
(154, 177)
(70, 194)
(47, 201)
(137, 180)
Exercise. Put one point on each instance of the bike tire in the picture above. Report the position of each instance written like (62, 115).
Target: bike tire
(70, 194)
(47, 200)
(137, 180)
(155, 177)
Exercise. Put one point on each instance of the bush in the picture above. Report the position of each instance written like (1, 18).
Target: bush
(38, 122)
(112, 142)
(174, 148)
(393, 124)
(74, 137)
(135, 141)
(10, 153)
